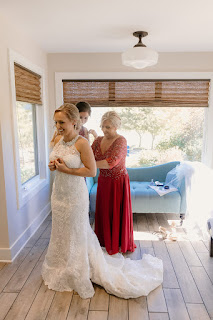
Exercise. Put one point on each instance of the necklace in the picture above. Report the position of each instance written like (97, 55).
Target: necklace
(71, 142)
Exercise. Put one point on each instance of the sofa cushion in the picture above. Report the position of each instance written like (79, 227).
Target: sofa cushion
(146, 200)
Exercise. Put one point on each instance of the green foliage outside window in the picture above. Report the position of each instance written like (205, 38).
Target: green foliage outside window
(27, 140)
(174, 133)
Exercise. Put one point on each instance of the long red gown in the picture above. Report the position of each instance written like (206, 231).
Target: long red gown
(113, 215)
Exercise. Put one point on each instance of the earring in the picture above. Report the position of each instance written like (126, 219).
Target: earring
(74, 126)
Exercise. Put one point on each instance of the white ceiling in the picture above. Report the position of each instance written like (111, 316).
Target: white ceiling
(107, 25)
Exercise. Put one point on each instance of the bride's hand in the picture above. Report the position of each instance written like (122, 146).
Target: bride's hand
(60, 165)
(52, 166)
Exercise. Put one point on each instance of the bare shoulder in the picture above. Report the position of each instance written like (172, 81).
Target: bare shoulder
(82, 140)
(82, 143)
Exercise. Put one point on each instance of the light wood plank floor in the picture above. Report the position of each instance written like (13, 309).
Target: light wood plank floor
(186, 292)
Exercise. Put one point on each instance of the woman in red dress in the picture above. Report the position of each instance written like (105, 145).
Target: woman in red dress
(113, 216)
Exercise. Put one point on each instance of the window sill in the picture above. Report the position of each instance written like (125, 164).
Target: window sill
(31, 188)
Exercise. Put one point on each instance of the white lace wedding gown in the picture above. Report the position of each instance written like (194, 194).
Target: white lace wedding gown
(75, 258)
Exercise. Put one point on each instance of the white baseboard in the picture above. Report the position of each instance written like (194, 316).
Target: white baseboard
(9, 254)
(5, 255)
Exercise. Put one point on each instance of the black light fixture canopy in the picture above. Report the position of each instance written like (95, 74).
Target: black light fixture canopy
(140, 35)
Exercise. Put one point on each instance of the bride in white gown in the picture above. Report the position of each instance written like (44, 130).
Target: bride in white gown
(75, 258)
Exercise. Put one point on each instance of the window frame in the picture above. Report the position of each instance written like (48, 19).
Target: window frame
(207, 154)
(29, 189)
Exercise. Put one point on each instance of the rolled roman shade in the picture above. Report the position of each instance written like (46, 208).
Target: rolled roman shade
(28, 86)
(149, 93)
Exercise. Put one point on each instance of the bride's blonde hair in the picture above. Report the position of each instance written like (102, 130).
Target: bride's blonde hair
(72, 113)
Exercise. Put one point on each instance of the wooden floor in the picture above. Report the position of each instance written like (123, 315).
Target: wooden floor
(186, 293)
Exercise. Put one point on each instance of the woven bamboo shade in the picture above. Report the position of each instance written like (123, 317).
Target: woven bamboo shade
(153, 93)
(28, 87)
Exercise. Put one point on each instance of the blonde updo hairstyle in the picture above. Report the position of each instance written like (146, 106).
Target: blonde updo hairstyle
(113, 117)
(72, 113)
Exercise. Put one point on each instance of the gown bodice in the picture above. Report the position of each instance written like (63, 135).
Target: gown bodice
(68, 152)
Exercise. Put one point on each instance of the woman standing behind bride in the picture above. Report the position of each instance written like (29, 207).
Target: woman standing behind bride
(113, 214)
(75, 258)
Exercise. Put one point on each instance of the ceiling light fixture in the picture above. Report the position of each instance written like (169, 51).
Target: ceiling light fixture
(139, 56)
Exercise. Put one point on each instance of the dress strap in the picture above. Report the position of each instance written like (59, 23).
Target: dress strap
(75, 139)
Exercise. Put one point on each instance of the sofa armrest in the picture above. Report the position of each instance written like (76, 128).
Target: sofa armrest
(89, 182)
(182, 190)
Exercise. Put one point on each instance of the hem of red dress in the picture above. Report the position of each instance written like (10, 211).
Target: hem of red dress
(121, 250)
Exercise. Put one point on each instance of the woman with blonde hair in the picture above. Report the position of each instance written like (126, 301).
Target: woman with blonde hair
(75, 258)
(113, 215)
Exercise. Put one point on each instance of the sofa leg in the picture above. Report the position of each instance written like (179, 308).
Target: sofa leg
(181, 219)
(211, 247)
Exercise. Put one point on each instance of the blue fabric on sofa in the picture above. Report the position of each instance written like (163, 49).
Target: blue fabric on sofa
(145, 199)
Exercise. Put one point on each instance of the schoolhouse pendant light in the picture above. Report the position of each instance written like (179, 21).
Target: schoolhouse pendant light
(140, 56)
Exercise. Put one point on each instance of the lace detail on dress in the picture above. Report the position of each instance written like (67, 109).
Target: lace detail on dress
(64, 149)
(74, 258)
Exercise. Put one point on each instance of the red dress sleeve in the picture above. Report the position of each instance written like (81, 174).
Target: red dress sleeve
(118, 152)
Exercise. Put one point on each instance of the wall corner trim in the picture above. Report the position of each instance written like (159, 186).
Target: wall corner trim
(9, 254)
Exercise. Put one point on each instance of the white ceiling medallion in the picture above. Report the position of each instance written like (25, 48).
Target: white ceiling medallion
(140, 56)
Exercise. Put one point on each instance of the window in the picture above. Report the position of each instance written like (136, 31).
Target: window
(163, 120)
(27, 83)
(27, 140)
(157, 135)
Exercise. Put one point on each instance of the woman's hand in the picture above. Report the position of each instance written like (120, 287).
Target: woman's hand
(94, 133)
(52, 166)
(61, 166)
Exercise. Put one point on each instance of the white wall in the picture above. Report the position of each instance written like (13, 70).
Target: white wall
(16, 226)
(188, 62)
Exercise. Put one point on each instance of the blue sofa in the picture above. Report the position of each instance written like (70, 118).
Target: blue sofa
(145, 199)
